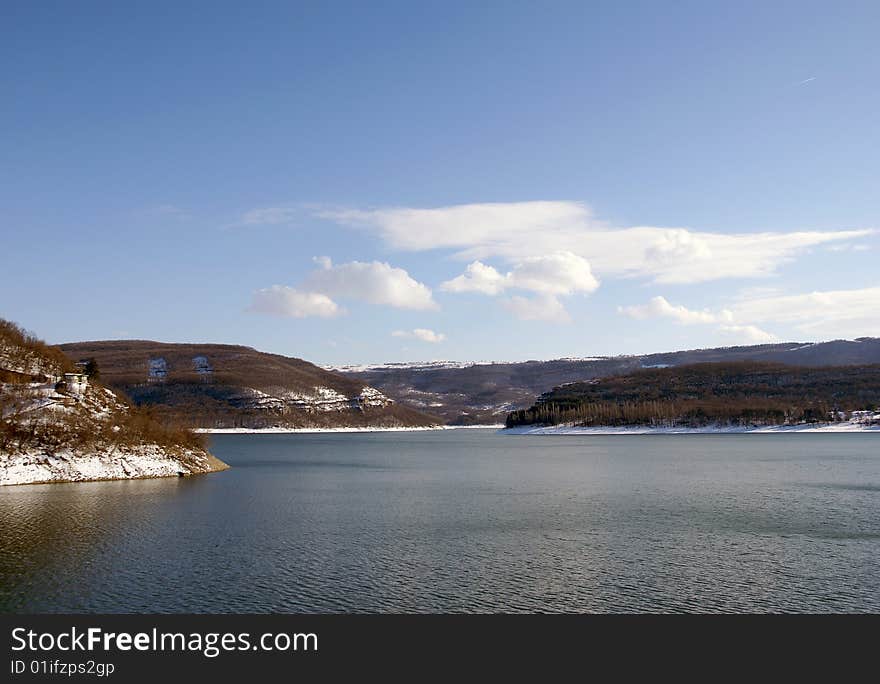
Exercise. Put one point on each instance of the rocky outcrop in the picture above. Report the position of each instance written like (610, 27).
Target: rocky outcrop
(318, 400)
(52, 433)
(59, 425)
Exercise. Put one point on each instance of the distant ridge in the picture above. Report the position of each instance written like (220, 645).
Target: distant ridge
(471, 393)
(448, 363)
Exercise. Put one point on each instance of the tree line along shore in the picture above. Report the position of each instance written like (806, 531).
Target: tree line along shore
(700, 395)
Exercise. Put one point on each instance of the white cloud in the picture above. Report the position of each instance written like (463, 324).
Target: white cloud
(748, 334)
(545, 307)
(559, 273)
(280, 300)
(464, 225)
(850, 247)
(832, 313)
(659, 307)
(477, 277)
(374, 282)
(677, 245)
(422, 334)
(562, 273)
(512, 231)
(820, 315)
(710, 256)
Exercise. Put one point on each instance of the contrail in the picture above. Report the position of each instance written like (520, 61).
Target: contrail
(807, 80)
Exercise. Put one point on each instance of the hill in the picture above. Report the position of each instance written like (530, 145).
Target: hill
(58, 424)
(223, 386)
(468, 393)
(741, 393)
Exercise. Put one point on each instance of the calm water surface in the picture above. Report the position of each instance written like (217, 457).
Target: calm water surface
(465, 520)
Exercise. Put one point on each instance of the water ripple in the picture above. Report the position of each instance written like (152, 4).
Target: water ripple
(391, 523)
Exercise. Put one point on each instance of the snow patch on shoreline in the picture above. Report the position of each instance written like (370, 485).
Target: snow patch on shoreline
(285, 431)
(709, 430)
(36, 466)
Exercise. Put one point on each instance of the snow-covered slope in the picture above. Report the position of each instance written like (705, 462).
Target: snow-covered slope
(405, 365)
(64, 428)
(43, 465)
(60, 436)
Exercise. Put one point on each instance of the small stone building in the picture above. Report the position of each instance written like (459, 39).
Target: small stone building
(76, 383)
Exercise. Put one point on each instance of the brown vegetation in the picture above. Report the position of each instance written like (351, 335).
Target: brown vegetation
(125, 364)
(223, 396)
(75, 427)
(23, 354)
(33, 418)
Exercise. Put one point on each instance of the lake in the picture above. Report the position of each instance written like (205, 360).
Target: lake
(463, 521)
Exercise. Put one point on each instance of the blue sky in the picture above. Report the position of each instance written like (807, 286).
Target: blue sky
(486, 180)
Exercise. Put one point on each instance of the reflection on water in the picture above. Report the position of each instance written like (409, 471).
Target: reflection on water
(462, 521)
(55, 536)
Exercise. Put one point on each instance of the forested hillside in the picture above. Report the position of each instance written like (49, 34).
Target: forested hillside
(743, 393)
(466, 393)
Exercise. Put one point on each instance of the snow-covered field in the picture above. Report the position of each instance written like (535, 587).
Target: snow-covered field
(439, 365)
(284, 431)
(637, 430)
(404, 365)
(66, 466)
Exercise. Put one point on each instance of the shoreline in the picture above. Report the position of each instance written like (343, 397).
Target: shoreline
(827, 428)
(38, 466)
(341, 430)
